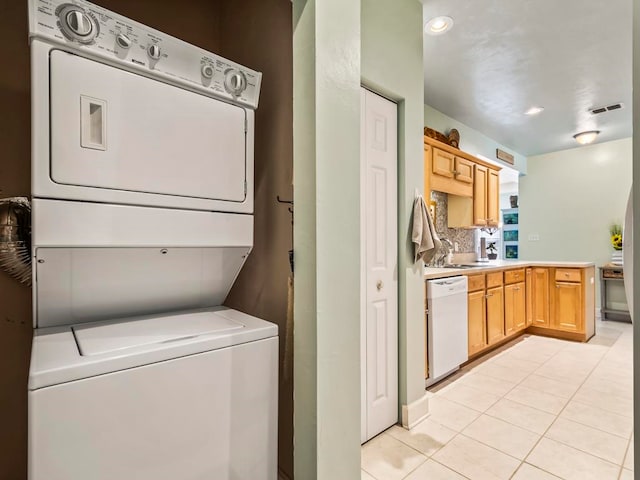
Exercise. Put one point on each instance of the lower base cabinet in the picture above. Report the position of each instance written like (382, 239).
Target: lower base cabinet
(515, 318)
(495, 315)
(477, 322)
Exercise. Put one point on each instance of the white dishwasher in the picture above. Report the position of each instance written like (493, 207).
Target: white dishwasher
(447, 329)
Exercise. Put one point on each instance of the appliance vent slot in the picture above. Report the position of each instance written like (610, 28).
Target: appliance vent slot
(608, 108)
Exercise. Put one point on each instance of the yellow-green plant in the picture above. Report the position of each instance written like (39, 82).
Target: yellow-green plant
(616, 236)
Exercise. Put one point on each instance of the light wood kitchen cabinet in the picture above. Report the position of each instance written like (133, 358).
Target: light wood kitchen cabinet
(529, 299)
(493, 198)
(567, 306)
(450, 173)
(428, 154)
(477, 322)
(514, 308)
(495, 315)
(480, 195)
(540, 297)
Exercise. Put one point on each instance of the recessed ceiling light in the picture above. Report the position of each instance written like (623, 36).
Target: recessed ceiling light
(584, 138)
(438, 25)
(534, 111)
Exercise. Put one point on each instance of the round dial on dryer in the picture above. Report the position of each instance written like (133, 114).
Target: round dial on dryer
(123, 41)
(77, 24)
(235, 82)
(154, 51)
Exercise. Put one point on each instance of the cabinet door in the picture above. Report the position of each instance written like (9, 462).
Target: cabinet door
(443, 163)
(529, 300)
(495, 315)
(567, 306)
(428, 152)
(540, 297)
(477, 322)
(480, 195)
(519, 307)
(464, 170)
(493, 198)
(509, 309)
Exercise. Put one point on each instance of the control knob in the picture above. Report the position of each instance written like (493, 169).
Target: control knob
(235, 82)
(123, 41)
(77, 24)
(154, 51)
(207, 71)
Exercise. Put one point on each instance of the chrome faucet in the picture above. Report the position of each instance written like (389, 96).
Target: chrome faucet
(439, 261)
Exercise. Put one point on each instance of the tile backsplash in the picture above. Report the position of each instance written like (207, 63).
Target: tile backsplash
(465, 237)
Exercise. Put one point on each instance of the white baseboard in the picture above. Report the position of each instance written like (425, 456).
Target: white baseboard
(415, 412)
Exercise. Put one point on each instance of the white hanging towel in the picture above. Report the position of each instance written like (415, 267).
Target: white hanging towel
(424, 237)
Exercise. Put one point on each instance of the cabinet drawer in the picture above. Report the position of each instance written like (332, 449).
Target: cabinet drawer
(514, 276)
(443, 163)
(476, 282)
(568, 275)
(464, 170)
(494, 279)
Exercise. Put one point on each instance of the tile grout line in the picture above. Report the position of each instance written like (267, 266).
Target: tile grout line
(558, 416)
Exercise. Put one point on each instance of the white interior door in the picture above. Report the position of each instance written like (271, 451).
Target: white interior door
(379, 160)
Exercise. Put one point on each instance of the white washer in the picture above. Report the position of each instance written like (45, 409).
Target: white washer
(142, 176)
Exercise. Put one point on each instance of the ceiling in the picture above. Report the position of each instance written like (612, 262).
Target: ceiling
(504, 56)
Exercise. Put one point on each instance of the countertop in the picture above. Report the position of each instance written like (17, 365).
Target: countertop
(491, 265)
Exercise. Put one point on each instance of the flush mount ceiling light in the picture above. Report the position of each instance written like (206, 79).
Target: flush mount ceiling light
(584, 138)
(534, 111)
(438, 25)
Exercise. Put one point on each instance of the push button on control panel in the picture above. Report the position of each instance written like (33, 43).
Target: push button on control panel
(207, 71)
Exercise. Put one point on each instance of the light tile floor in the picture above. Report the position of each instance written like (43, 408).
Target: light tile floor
(538, 409)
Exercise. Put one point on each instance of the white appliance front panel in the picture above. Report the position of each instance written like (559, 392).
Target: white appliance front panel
(201, 417)
(79, 285)
(116, 130)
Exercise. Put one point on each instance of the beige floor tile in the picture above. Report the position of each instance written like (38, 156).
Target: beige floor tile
(598, 418)
(529, 472)
(510, 361)
(605, 401)
(431, 470)
(501, 372)
(529, 418)
(365, 476)
(530, 354)
(549, 385)
(626, 474)
(472, 459)
(387, 458)
(613, 388)
(536, 399)
(569, 463)
(587, 439)
(451, 414)
(502, 436)
(469, 396)
(492, 385)
(628, 459)
(427, 437)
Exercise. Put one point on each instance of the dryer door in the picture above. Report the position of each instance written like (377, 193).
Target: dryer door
(116, 130)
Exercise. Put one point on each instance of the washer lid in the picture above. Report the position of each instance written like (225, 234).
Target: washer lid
(106, 337)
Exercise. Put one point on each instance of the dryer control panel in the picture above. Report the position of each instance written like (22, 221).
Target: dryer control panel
(96, 32)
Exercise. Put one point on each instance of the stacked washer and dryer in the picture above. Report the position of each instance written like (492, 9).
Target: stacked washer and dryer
(142, 180)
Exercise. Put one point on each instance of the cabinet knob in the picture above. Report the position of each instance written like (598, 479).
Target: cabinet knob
(379, 285)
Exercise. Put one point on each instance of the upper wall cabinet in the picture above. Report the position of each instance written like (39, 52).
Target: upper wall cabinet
(472, 184)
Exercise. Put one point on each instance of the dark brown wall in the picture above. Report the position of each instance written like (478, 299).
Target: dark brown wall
(15, 180)
(256, 33)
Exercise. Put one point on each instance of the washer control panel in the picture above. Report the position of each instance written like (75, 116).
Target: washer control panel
(82, 26)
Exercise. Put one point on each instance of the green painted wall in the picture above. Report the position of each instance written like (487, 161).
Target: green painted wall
(327, 239)
(471, 140)
(569, 199)
(392, 65)
(328, 71)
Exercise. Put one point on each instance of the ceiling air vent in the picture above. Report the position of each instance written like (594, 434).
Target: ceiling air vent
(608, 108)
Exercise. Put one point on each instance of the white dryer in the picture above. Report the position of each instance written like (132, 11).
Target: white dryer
(142, 179)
